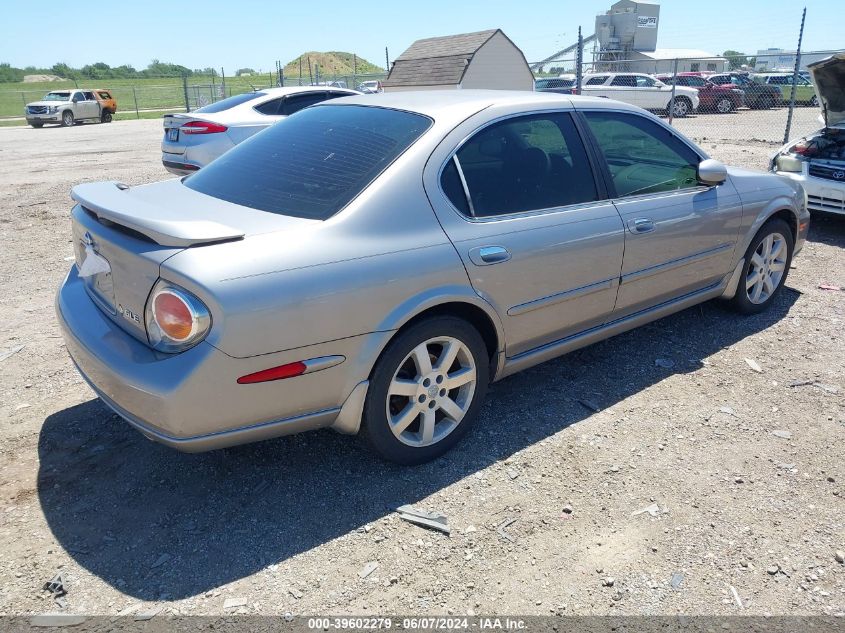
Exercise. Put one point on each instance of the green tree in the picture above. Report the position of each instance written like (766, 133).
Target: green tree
(61, 69)
(737, 59)
(244, 71)
(8, 74)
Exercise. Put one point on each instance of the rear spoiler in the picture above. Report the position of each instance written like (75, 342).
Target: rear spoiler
(113, 202)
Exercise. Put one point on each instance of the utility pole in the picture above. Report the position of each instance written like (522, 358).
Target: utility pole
(794, 78)
(579, 63)
(386, 60)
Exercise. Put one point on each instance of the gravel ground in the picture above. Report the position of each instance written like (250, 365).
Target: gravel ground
(740, 473)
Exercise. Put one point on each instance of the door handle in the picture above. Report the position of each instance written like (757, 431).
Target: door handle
(641, 225)
(486, 255)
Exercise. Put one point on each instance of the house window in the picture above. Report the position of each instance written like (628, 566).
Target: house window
(695, 67)
(711, 66)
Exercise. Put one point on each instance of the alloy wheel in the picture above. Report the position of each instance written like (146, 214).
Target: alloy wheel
(768, 264)
(681, 108)
(724, 106)
(431, 391)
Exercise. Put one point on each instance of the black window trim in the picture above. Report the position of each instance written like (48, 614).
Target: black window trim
(605, 170)
(602, 193)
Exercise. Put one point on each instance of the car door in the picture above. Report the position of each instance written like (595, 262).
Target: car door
(537, 236)
(680, 236)
(78, 106)
(92, 106)
(624, 88)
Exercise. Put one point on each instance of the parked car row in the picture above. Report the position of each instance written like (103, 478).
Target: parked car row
(704, 92)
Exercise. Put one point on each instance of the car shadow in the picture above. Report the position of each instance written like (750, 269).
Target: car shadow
(159, 524)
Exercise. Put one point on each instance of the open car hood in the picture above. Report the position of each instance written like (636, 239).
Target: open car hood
(829, 78)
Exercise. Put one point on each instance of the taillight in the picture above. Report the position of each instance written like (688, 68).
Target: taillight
(202, 127)
(803, 148)
(176, 319)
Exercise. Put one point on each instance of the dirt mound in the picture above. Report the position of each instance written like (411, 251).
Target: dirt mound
(31, 79)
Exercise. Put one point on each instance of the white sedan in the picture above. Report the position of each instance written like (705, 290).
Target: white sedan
(640, 90)
(193, 140)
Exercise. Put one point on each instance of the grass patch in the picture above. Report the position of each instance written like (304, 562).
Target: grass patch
(150, 94)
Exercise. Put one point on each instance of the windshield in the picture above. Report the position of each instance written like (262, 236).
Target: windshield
(57, 96)
(230, 102)
(313, 163)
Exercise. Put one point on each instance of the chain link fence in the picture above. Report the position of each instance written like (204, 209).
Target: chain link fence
(710, 100)
(163, 94)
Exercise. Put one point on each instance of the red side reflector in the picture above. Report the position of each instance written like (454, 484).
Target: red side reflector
(274, 373)
(202, 127)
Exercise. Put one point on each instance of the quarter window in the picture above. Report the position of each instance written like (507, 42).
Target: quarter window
(270, 108)
(522, 164)
(295, 103)
(643, 157)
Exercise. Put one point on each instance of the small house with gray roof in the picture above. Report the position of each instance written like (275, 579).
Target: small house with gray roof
(486, 59)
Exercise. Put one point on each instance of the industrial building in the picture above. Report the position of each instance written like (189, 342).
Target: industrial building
(625, 39)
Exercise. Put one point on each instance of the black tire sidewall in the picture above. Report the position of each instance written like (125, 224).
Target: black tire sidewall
(375, 428)
(740, 301)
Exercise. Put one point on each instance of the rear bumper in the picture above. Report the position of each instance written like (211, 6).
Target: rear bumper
(176, 164)
(191, 401)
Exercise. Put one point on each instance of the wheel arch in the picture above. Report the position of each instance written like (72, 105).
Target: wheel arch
(462, 303)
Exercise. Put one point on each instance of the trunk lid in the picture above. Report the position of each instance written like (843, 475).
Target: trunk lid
(829, 78)
(122, 235)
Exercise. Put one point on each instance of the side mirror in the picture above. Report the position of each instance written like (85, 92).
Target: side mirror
(711, 172)
(75, 99)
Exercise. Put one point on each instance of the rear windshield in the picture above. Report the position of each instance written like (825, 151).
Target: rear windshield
(311, 164)
(230, 102)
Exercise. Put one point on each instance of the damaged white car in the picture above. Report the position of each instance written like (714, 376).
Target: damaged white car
(817, 160)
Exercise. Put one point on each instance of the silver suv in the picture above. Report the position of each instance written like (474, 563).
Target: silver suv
(64, 107)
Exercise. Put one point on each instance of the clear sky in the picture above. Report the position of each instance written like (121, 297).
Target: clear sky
(252, 33)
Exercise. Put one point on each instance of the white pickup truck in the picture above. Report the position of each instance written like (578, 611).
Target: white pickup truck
(67, 107)
(640, 90)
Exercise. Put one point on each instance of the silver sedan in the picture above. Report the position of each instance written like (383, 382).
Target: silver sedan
(193, 140)
(372, 263)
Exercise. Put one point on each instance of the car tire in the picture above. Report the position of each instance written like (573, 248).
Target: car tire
(106, 117)
(768, 256)
(67, 118)
(411, 414)
(724, 105)
(37, 125)
(683, 107)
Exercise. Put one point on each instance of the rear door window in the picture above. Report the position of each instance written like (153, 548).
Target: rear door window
(230, 102)
(643, 157)
(596, 81)
(311, 165)
(624, 80)
(522, 164)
